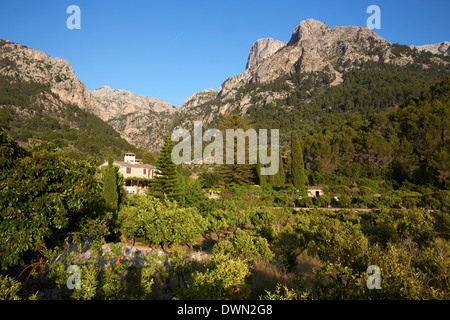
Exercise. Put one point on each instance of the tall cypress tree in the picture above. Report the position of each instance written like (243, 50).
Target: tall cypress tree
(165, 181)
(297, 165)
(262, 179)
(279, 178)
(110, 193)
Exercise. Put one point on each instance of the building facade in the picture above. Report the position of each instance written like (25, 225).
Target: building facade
(135, 173)
(315, 191)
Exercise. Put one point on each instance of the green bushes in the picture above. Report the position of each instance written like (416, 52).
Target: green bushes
(305, 254)
(346, 244)
(222, 278)
(105, 274)
(160, 221)
(9, 289)
(245, 246)
(46, 198)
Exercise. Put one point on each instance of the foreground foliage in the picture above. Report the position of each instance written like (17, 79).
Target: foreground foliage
(46, 197)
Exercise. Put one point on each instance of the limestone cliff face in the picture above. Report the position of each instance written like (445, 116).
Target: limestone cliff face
(198, 98)
(312, 47)
(435, 48)
(111, 104)
(132, 116)
(137, 118)
(262, 49)
(144, 121)
(315, 47)
(30, 64)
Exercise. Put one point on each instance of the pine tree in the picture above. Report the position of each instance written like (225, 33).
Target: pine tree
(164, 184)
(110, 193)
(297, 165)
(232, 174)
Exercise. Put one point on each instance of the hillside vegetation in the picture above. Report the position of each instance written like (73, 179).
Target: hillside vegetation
(29, 110)
(249, 243)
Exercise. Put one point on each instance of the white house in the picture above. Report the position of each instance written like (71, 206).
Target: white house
(135, 173)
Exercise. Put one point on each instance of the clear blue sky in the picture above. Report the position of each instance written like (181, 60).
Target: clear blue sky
(171, 49)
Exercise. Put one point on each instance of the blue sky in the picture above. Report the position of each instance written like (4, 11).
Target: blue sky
(171, 49)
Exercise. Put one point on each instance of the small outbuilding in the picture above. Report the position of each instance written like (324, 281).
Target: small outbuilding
(315, 191)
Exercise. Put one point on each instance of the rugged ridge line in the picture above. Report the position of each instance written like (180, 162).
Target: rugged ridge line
(33, 65)
(144, 121)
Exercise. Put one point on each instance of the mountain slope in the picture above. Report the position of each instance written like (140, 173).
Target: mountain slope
(27, 64)
(112, 103)
(132, 115)
(319, 73)
(41, 98)
(435, 48)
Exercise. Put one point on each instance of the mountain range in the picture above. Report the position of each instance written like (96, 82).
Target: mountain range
(320, 70)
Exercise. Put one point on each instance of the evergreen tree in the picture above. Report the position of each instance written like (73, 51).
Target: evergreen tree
(110, 193)
(233, 174)
(297, 165)
(262, 179)
(164, 184)
(279, 178)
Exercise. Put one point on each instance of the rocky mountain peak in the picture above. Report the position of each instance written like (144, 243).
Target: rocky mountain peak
(312, 47)
(307, 29)
(262, 49)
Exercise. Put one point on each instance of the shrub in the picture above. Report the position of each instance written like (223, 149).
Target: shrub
(223, 278)
(160, 221)
(245, 246)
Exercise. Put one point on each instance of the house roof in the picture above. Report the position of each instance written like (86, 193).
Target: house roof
(134, 165)
(316, 188)
(131, 165)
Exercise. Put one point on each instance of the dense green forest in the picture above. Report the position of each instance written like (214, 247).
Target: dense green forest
(407, 144)
(369, 88)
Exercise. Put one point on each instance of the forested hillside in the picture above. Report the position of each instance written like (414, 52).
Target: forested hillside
(384, 123)
(408, 143)
(29, 110)
(370, 87)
